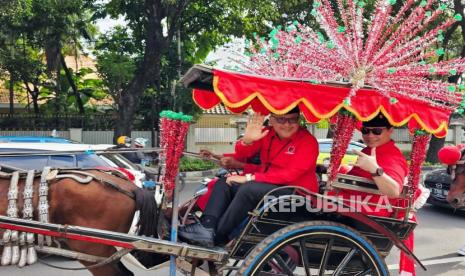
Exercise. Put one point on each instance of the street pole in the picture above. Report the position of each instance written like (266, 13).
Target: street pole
(173, 88)
(174, 220)
(152, 121)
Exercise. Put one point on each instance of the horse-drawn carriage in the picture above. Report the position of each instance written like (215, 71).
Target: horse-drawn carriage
(91, 210)
(300, 241)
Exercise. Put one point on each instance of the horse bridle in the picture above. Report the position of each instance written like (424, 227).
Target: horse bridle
(458, 168)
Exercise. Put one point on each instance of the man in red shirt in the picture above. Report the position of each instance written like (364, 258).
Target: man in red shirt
(385, 164)
(380, 161)
(288, 156)
(228, 161)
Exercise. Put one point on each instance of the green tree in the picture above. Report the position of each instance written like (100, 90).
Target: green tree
(58, 26)
(116, 60)
(34, 31)
(12, 17)
(201, 25)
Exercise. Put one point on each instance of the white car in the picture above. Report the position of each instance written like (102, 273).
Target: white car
(86, 159)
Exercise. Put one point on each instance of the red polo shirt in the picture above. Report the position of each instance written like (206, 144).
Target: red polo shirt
(289, 161)
(391, 159)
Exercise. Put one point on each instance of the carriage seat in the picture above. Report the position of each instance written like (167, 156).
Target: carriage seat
(361, 184)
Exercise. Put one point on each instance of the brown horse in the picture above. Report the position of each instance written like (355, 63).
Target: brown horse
(94, 205)
(456, 195)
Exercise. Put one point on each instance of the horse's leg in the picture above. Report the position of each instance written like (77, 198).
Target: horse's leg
(124, 269)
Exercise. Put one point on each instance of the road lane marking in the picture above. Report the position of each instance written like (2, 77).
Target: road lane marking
(433, 262)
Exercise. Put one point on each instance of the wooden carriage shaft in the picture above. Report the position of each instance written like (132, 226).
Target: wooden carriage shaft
(113, 239)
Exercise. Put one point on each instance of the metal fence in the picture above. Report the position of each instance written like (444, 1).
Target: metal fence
(215, 135)
(63, 134)
(106, 137)
(26, 121)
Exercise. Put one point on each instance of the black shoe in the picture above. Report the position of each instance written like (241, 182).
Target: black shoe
(197, 234)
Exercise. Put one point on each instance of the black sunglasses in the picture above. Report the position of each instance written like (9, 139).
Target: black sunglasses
(283, 120)
(374, 130)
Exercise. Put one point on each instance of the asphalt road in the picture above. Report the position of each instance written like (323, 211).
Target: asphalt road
(438, 236)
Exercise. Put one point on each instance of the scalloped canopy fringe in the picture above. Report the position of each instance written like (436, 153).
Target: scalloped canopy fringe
(238, 92)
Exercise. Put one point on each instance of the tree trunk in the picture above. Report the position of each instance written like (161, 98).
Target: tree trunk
(125, 115)
(69, 77)
(12, 95)
(434, 146)
(148, 72)
(34, 95)
(330, 132)
(35, 100)
(57, 96)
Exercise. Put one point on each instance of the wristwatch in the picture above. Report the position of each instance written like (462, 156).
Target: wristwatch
(379, 172)
(248, 177)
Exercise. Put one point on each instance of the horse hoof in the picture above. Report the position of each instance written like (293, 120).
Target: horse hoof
(6, 255)
(22, 259)
(15, 254)
(31, 255)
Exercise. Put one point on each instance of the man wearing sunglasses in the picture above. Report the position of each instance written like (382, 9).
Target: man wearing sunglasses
(384, 163)
(381, 161)
(288, 154)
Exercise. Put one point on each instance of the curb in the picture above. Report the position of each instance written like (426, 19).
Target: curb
(430, 168)
(200, 173)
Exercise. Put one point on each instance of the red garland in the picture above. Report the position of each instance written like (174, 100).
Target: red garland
(163, 136)
(182, 128)
(172, 139)
(168, 141)
(417, 156)
(345, 125)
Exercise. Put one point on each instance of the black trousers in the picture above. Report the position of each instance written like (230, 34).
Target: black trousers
(231, 204)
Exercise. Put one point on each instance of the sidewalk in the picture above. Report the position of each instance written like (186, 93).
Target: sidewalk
(197, 174)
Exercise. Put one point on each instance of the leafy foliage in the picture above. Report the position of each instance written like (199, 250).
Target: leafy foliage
(117, 56)
(194, 164)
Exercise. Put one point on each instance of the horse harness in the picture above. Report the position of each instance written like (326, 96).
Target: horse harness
(18, 247)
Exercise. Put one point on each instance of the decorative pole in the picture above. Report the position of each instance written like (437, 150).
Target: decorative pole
(173, 131)
(345, 125)
(417, 157)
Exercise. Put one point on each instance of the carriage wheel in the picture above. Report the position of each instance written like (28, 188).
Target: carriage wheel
(314, 248)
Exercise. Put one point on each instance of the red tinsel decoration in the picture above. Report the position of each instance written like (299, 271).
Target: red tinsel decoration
(345, 125)
(173, 131)
(181, 131)
(168, 139)
(417, 156)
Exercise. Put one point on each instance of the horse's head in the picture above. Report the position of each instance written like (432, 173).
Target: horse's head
(454, 158)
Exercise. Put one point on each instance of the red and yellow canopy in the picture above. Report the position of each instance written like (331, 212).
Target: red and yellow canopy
(240, 91)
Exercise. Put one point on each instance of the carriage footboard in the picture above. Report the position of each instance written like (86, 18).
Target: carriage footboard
(113, 239)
